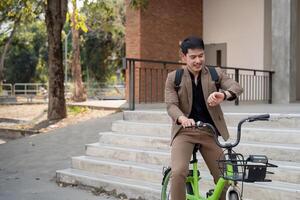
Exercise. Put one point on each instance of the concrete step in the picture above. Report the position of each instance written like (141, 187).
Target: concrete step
(125, 169)
(232, 119)
(287, 135)
(276, 120)
(146, 190)
(135, 140)
(147, 116)
(287, 171)
(130, 158)
(284, 152)
(266, 191)
(128, 188)
(272, 191)
(143, 128)
(135, 154)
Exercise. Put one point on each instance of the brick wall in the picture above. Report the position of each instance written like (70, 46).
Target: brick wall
(155, 34)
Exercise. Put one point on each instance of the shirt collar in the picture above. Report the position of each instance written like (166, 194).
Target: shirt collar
(193, 77)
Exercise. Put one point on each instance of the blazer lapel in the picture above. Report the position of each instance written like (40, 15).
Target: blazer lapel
(189, 87)
(204, 82)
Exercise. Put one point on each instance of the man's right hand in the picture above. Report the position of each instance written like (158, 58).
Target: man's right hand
(185, 122)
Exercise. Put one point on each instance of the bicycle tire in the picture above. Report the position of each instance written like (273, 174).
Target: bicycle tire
(233, 196)
(166, 185)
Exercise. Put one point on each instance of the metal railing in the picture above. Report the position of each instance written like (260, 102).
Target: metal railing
(105, 91)
(152, 75)
(7, 89)
(27, 89)
(257, 84)
(99, 90)
(93, 89)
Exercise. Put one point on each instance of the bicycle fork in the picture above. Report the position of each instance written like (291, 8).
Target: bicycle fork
(218, 189)
(193, 186)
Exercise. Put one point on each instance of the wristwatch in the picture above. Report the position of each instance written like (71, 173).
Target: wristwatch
(225, 96)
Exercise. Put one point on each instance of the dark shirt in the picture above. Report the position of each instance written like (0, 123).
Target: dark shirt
(199, 110)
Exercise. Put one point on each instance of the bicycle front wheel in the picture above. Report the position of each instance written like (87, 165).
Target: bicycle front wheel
(233, 196)
(166, 186)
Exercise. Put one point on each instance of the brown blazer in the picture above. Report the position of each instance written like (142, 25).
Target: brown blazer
(181, 103)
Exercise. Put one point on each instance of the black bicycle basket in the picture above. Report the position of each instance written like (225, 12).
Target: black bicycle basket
(253, 169)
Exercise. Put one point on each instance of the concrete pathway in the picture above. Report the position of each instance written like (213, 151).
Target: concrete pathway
(28, 165)
(105, 104)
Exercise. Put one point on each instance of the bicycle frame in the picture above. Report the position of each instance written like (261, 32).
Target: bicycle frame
(194, 181)
(231, 165)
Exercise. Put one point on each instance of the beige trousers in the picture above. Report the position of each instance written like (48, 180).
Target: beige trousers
(182, 148)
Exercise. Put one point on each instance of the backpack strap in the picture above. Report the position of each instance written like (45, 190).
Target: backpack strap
(178, 76)
(213, 73)
(214, 76)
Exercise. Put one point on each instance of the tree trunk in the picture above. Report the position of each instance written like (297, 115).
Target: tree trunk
(55, 18)
(79, 93)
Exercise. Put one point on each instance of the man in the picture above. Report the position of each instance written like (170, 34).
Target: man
(197, 99)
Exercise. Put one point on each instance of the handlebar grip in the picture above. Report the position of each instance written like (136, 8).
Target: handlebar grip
(199, 124)
(263, 117)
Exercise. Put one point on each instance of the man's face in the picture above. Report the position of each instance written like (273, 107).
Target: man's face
(194, 59)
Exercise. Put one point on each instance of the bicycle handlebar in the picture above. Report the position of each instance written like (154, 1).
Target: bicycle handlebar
(264, 117)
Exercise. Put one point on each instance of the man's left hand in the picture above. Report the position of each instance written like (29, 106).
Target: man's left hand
(215, 98)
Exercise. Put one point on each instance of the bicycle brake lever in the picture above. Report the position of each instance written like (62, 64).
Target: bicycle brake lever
(268, 172)
(265, 119)
(257, 119)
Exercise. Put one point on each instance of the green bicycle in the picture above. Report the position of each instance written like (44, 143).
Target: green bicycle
(234, 168)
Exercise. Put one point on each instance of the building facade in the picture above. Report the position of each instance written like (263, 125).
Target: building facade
(238, 33)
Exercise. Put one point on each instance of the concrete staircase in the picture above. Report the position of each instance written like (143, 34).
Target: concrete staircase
(130, 158)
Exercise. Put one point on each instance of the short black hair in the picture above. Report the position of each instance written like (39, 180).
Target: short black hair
(191, 42)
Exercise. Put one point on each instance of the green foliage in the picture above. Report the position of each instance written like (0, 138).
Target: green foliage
(22, 62)
(79, 19)
(26, 60)
(18, 11)
(139, 4)
(112, 80)
(74, 110)
(22, 56)
(103, 45)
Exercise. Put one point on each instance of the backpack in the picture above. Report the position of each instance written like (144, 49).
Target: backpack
(213, 73)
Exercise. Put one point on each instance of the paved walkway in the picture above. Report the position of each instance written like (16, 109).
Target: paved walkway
(106, 104)
(28, 165)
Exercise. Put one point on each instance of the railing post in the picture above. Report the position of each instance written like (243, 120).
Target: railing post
(237, 80)
(124, 63)
(14, 89)
(270, 88)
(12, 93)
(131, 85)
